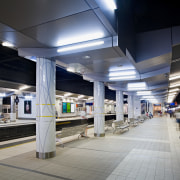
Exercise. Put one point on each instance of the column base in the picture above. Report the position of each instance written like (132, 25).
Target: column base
(46, 155)
(99, 135)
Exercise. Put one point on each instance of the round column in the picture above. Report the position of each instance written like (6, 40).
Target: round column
(119, 106)
(130, 106)
(99, 109)
(45, 101)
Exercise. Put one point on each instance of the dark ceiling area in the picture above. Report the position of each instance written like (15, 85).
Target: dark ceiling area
(153, 14)
(17, 69)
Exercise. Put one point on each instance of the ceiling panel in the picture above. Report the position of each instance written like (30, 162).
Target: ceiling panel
(3, 28)
(21, 14)
(154, 63)
(19, 40)
(67, 28)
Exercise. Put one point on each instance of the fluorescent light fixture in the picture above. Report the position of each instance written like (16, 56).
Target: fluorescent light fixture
(28, 97)
(110, 4)
(80, 38)
(139, 93)
(122, 73)
(2, 94)
(135, 89)
(80, 46)
(174, 90)
(174, 77)
(174, 85)
(173, 93)
(23, 87)
(67, 94)
(70, 69)
(7, 44)
(81, 96)
(134, 85)
(122, 77)
(90, 98)
(148, 97)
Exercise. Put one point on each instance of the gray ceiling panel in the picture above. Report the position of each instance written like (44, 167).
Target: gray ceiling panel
(154, 63)
(19, 40)
(4, 28)
(66, 29)
(24, 13)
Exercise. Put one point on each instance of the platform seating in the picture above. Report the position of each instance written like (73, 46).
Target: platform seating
(79, 130)
(120, 125)
(133, 122)
(108, 124)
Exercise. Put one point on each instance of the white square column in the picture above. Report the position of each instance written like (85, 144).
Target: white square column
(130, 106)
(99, 109)
(45, 102)
(119, 105)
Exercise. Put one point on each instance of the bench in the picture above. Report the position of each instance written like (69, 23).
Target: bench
(80, 130)
(120, 125)
(133, 122)
(108, 124)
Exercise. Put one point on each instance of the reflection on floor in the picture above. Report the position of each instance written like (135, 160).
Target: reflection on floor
(145, 152)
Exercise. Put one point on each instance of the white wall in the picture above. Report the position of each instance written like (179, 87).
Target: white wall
(21, 109)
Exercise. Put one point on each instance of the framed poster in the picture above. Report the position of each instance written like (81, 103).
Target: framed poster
(72, 108)
(68, 107)
(64, 107)
(27, 107)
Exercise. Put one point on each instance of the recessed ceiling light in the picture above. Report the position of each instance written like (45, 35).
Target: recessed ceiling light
(7, 44)
(86, 57)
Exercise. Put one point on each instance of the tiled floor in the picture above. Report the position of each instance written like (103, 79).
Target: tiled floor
(150, 151)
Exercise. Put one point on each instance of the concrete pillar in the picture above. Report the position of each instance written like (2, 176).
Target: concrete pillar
(99, 109)
(13, 109)
(119, 105)
(45, 101)
(130, 106)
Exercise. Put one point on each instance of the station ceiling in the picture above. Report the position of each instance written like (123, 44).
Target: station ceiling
(138, 36)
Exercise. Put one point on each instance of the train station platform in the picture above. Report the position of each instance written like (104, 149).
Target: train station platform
(149, 151)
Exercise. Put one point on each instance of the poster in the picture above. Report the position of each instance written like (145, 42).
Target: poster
(64, 107)
(68, 107)
(27, 107)
(72, 108)
(143, 108)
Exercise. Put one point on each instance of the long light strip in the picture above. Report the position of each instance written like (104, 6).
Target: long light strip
(175, 77)
(80, 46)
(80, 38)
(134, 85)
(174, 90)
(137, 88)
(23, 87)
(139, 93)
(174, 85)
(122, 77)
(122, 73)
(110, 4)
(173, 93)
(67, 94)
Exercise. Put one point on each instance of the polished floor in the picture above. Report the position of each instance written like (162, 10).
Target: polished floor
(149, 151)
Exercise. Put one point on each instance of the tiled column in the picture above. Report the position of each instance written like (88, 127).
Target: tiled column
(130, 106)
(13, 108)
(119, 105)
(45, 101)
(99, 109)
